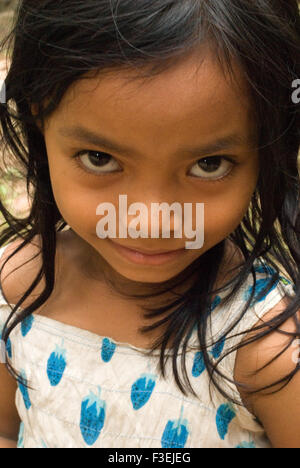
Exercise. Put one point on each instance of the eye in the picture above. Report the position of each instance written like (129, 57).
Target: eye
(213, 168)
(97, 162)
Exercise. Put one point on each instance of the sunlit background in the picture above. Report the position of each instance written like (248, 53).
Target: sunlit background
(12, 187)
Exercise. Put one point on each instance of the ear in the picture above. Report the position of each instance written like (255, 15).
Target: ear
(34, 111)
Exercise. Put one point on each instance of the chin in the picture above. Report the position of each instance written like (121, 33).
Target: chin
(147, 276)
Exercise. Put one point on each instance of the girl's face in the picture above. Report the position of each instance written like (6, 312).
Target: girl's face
(157, 137)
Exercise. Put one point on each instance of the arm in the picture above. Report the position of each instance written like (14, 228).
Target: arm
(9, 417)
(279, 413)
(7, 443)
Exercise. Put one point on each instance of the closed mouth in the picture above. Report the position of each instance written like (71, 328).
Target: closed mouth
(149, 252)
(154, 258)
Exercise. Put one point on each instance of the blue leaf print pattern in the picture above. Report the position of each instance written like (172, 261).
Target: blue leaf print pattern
(107, 350)
(265, 269)
(225, 415)
(43, 444)
(26, 324)
(246, 445)
(20, 443)
(215, 303)
(24, 391)
(56, 365)
(3, 347)
(8, 348)
(260, 285)
(218, 348)
(92, 417)
(176, 433)
(142, 389)
(198, 365)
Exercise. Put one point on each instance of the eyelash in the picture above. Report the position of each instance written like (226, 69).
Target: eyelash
(75, 157)
(227, 176)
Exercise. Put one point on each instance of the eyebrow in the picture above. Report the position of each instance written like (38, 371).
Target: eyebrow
(220, 144)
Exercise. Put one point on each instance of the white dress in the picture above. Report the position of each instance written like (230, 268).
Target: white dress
(91, 391)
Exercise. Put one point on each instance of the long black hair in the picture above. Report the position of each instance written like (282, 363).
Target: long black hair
(56, 42)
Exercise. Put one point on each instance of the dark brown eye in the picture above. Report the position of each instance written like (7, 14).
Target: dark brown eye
(210, 164)
(98, 159)
(92, 160)
(212, 168)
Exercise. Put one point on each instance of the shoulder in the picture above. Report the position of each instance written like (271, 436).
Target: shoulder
(278, 412)
(21, 269)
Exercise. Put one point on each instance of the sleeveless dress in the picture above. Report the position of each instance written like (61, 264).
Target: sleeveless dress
(90, 391)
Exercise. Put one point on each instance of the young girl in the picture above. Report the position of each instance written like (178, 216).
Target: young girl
(138, 341)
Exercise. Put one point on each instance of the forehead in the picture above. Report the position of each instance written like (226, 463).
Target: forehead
(195, 97)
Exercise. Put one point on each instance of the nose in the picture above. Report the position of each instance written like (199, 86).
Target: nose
(151, 217)
(155, 220)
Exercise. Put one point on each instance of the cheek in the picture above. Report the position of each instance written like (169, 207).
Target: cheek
(78, 209)
(75, 202)
(223, 216)
(78, 202)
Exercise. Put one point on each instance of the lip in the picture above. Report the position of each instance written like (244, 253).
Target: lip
(145, 257)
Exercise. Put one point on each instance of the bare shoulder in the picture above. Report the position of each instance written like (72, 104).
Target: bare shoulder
(18, 271)
(256, 355)
(22, 268)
